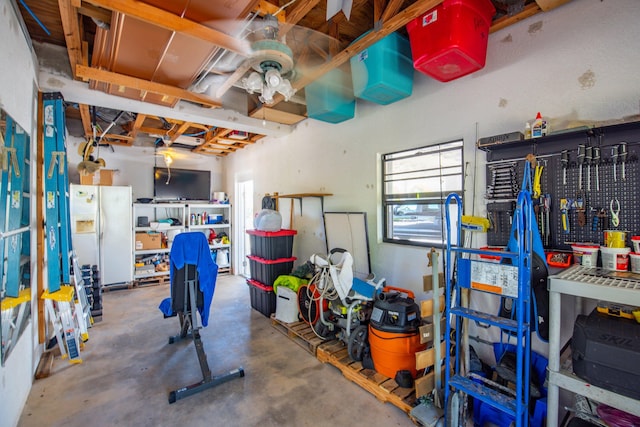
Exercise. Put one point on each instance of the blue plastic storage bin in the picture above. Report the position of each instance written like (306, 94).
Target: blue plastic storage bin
(383, 73)
(484, 414)
(330, 98)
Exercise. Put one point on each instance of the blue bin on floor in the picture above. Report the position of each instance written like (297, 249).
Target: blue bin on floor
(484, 413)
(383, 73)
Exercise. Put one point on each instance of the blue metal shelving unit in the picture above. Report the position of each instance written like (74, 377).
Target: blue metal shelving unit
(509, 278)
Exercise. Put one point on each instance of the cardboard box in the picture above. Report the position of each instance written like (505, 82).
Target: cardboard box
(87, 179)
(102, 177)
(148, 241)
(106, 176)
(427, 282)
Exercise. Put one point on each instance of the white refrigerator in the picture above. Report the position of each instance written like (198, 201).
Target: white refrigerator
(101, 230)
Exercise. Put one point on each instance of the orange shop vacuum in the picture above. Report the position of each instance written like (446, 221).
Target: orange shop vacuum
(393, 333)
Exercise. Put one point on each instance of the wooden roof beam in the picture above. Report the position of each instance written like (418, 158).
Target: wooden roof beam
(86, 120)
(529, 10)
(383, 10)
(71, 28)
(137, 125)
(94, 12)
(232, 142)
(182, 129)
(113, 139)
(299, 10)
(218, 148)
(143, 85)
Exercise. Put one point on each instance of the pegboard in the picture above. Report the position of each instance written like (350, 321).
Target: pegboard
(548, 153)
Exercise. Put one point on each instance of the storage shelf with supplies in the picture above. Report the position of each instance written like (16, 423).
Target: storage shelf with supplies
(596, 284)
(153, 219)
(212, 219)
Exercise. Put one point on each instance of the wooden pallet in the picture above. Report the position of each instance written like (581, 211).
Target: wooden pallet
(118, 287)
(383, 388)
(152, 281)
(300, 333)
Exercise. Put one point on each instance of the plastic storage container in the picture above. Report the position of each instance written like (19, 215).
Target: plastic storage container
(615, 258)
(330, 98)
(267, 270)
(450, 40)
(271, 244)
(635, 241)
(383, 73)
(635, 262)
(586, 255)
(263, 299)
(286, 305)
(615, 238)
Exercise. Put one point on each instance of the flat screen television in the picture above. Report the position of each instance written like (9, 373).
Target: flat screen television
(181, 184)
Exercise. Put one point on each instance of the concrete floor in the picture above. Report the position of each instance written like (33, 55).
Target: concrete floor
(129, 369)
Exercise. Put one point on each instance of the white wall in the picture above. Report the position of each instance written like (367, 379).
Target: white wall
(134, 165)
(578, 63)
(17, 83)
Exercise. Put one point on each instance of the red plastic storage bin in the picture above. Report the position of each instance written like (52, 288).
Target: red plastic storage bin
(267, 270)
(450, 40)
(263, 299)
(271, 244)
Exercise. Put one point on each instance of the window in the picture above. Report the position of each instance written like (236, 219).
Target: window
(415, 185)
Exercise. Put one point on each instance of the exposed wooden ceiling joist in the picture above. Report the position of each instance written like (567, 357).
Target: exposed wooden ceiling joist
(86, 120)
(143, 85)
(392, 7)
(69, 17)
(299, 10)
(178, 132)
(529, 10)
(137, 125)
(102, 15)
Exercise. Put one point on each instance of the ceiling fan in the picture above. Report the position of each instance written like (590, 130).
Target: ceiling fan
(279, 55)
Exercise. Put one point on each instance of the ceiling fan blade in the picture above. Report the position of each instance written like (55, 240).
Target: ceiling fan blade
(335, 6)
(293, 51)
(233, 78)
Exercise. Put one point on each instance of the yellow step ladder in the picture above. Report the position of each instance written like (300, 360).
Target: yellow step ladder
(61, 311)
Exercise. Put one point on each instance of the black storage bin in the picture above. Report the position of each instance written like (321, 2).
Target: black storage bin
(605, 352)
(271, 244)
(263, 299)
(267, 271)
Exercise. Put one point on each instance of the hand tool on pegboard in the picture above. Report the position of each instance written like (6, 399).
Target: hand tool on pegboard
(581, 209)
(565, 205)
(622, 154)
(588, 155)
(614, 207)
(614, 160)
(564, 159)
(581, 153)
(545, 212)
(596, 162)
(600, 220)
(503, 183)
